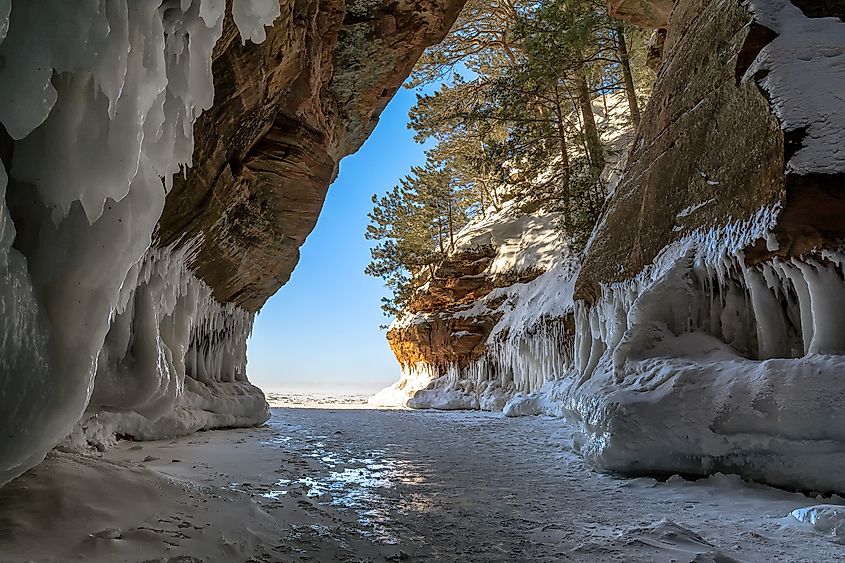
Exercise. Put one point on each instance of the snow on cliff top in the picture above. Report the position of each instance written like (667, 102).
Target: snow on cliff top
(522, 242)
(536, 242)
(806, 51)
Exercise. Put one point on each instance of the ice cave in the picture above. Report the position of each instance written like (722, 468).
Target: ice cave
(163, 161)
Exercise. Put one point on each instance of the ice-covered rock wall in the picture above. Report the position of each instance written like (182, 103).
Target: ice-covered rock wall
(160, 168)
(709, 337)
(705, 330)
(98, 104)
(495, 319)
(173, 360)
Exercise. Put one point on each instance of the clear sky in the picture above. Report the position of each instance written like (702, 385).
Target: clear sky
(320, 332)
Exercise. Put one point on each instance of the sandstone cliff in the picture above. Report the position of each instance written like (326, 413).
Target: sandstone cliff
(703, 330)
(495, 318)
(288, 109)
(165, 162)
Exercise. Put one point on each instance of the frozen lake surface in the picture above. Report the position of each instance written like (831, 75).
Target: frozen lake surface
(478, 487)
(353, 485)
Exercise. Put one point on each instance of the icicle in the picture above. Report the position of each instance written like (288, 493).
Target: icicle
(100, 98)
(827, 302)
(772, 341)
(251, 16)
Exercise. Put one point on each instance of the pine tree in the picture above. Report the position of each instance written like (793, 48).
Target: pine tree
(513, 122)
(414, 225)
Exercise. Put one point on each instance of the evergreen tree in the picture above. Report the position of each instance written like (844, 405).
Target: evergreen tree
(414, 225)
(513, 120)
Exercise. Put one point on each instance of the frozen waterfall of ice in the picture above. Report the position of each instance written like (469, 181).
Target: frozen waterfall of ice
(98, 99)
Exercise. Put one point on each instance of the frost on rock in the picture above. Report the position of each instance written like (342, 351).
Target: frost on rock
(98, 100)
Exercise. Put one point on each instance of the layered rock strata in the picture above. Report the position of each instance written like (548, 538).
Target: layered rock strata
(495, 318)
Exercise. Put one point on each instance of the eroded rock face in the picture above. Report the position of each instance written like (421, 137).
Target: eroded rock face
(440, 335)
(286, 111)
(486, 323)
(706, 303)
(643, 13)
(692, 164)
(712, 149)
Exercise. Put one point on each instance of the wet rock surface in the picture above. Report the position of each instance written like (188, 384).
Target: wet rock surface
(689, 153)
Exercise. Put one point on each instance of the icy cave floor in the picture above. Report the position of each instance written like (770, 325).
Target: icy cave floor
(367, 485)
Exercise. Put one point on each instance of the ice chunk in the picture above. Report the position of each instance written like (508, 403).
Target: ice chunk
(828, 519)
(414, 378)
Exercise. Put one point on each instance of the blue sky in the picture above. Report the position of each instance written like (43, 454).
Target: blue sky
(320, 332)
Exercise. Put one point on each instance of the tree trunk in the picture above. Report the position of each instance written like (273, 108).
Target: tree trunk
(625, 62)
(591, 132)
(491, 194)
(450, 208)
(604, 92)
(440, 235)
(564, 160)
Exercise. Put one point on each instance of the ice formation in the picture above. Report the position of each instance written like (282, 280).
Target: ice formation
(414, 378)
(253, 16)
(528, 345)
(706, 361)
(702, 363)
(828, 519)
(98, 100)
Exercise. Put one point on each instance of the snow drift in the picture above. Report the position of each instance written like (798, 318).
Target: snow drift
(706, 364)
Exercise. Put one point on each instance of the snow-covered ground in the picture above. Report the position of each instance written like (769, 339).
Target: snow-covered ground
(368, 485)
